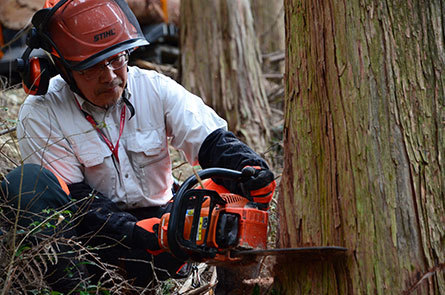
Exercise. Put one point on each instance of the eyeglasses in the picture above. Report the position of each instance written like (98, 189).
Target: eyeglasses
(114, 64)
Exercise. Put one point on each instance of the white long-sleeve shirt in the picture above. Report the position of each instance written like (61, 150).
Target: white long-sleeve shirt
(53, 132)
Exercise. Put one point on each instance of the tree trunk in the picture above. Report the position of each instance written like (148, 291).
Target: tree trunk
(220, 62)
(17, 14)
(364, 146)
(268, 19)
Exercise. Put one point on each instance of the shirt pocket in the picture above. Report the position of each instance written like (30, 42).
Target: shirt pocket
(148, 152)
(146, 147)
(96, 157)
(89, 149)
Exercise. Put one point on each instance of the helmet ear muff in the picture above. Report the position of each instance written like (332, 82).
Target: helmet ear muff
(36, 73)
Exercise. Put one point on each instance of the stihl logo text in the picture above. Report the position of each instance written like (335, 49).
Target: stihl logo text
(104, 35)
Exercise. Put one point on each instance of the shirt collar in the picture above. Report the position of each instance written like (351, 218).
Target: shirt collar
(81, 100)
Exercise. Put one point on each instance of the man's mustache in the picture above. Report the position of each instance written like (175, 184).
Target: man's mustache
(112, 84)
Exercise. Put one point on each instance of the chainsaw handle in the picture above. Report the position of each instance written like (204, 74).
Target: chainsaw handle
(216, 172)
(175, 215)
(246, 173)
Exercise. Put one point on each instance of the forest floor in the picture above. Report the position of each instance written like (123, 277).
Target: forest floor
(11, 98)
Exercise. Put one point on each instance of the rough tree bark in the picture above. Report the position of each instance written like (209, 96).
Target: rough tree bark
(364, 146)
(220, 62)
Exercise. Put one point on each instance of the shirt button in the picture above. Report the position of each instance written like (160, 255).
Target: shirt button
(126, 175)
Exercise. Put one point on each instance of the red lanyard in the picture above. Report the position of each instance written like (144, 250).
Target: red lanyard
(113, 148)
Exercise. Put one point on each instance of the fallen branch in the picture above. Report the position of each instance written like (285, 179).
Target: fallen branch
(276, 56)
(273, 76)
(6, 131)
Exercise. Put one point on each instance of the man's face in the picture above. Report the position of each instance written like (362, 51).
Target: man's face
(103, 83)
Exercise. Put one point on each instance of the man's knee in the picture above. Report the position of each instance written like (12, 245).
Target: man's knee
(32, 188)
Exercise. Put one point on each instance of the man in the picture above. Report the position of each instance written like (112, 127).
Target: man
(103, 128)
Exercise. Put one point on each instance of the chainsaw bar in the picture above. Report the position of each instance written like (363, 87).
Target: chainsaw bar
(322, 252)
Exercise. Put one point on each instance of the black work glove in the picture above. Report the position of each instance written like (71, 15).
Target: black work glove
(145, 235)
(258, 184)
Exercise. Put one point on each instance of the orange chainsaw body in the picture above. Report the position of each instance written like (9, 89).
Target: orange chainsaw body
(250, 227)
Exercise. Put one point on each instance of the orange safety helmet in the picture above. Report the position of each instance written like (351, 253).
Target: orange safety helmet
(79, 34)
(82, 33)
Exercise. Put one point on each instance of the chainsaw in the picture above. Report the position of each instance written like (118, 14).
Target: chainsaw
(207, 226)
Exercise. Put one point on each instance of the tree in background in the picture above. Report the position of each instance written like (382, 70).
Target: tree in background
(364, 146)
(16, 14)
(269, 26)
(220, 62)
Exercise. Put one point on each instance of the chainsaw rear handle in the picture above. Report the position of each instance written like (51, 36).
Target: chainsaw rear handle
(176, 223)
(225, 173)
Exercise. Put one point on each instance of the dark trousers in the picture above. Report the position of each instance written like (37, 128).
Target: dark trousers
(34, 194)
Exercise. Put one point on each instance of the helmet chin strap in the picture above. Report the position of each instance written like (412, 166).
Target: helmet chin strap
(128, 103)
